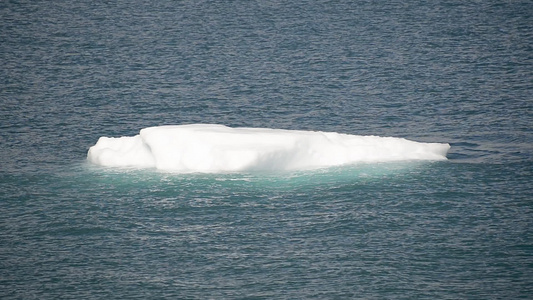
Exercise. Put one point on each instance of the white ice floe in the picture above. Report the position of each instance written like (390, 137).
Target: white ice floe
(217, 148)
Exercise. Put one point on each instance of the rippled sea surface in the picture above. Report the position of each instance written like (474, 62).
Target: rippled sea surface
(458, 72)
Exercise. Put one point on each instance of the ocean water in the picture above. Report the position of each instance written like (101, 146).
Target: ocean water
(457, 72)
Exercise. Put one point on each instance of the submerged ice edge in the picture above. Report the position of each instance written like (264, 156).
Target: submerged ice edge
(210, 148)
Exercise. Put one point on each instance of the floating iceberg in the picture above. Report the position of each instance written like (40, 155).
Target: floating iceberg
(216, 148)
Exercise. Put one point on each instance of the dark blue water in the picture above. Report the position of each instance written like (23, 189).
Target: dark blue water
(454, 72)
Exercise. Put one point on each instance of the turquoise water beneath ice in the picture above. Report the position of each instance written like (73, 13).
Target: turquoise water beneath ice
(453, 72)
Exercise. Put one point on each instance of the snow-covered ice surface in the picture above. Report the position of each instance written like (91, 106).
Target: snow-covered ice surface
(211, 148)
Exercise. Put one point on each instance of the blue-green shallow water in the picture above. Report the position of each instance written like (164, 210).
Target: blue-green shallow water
(451, 72)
